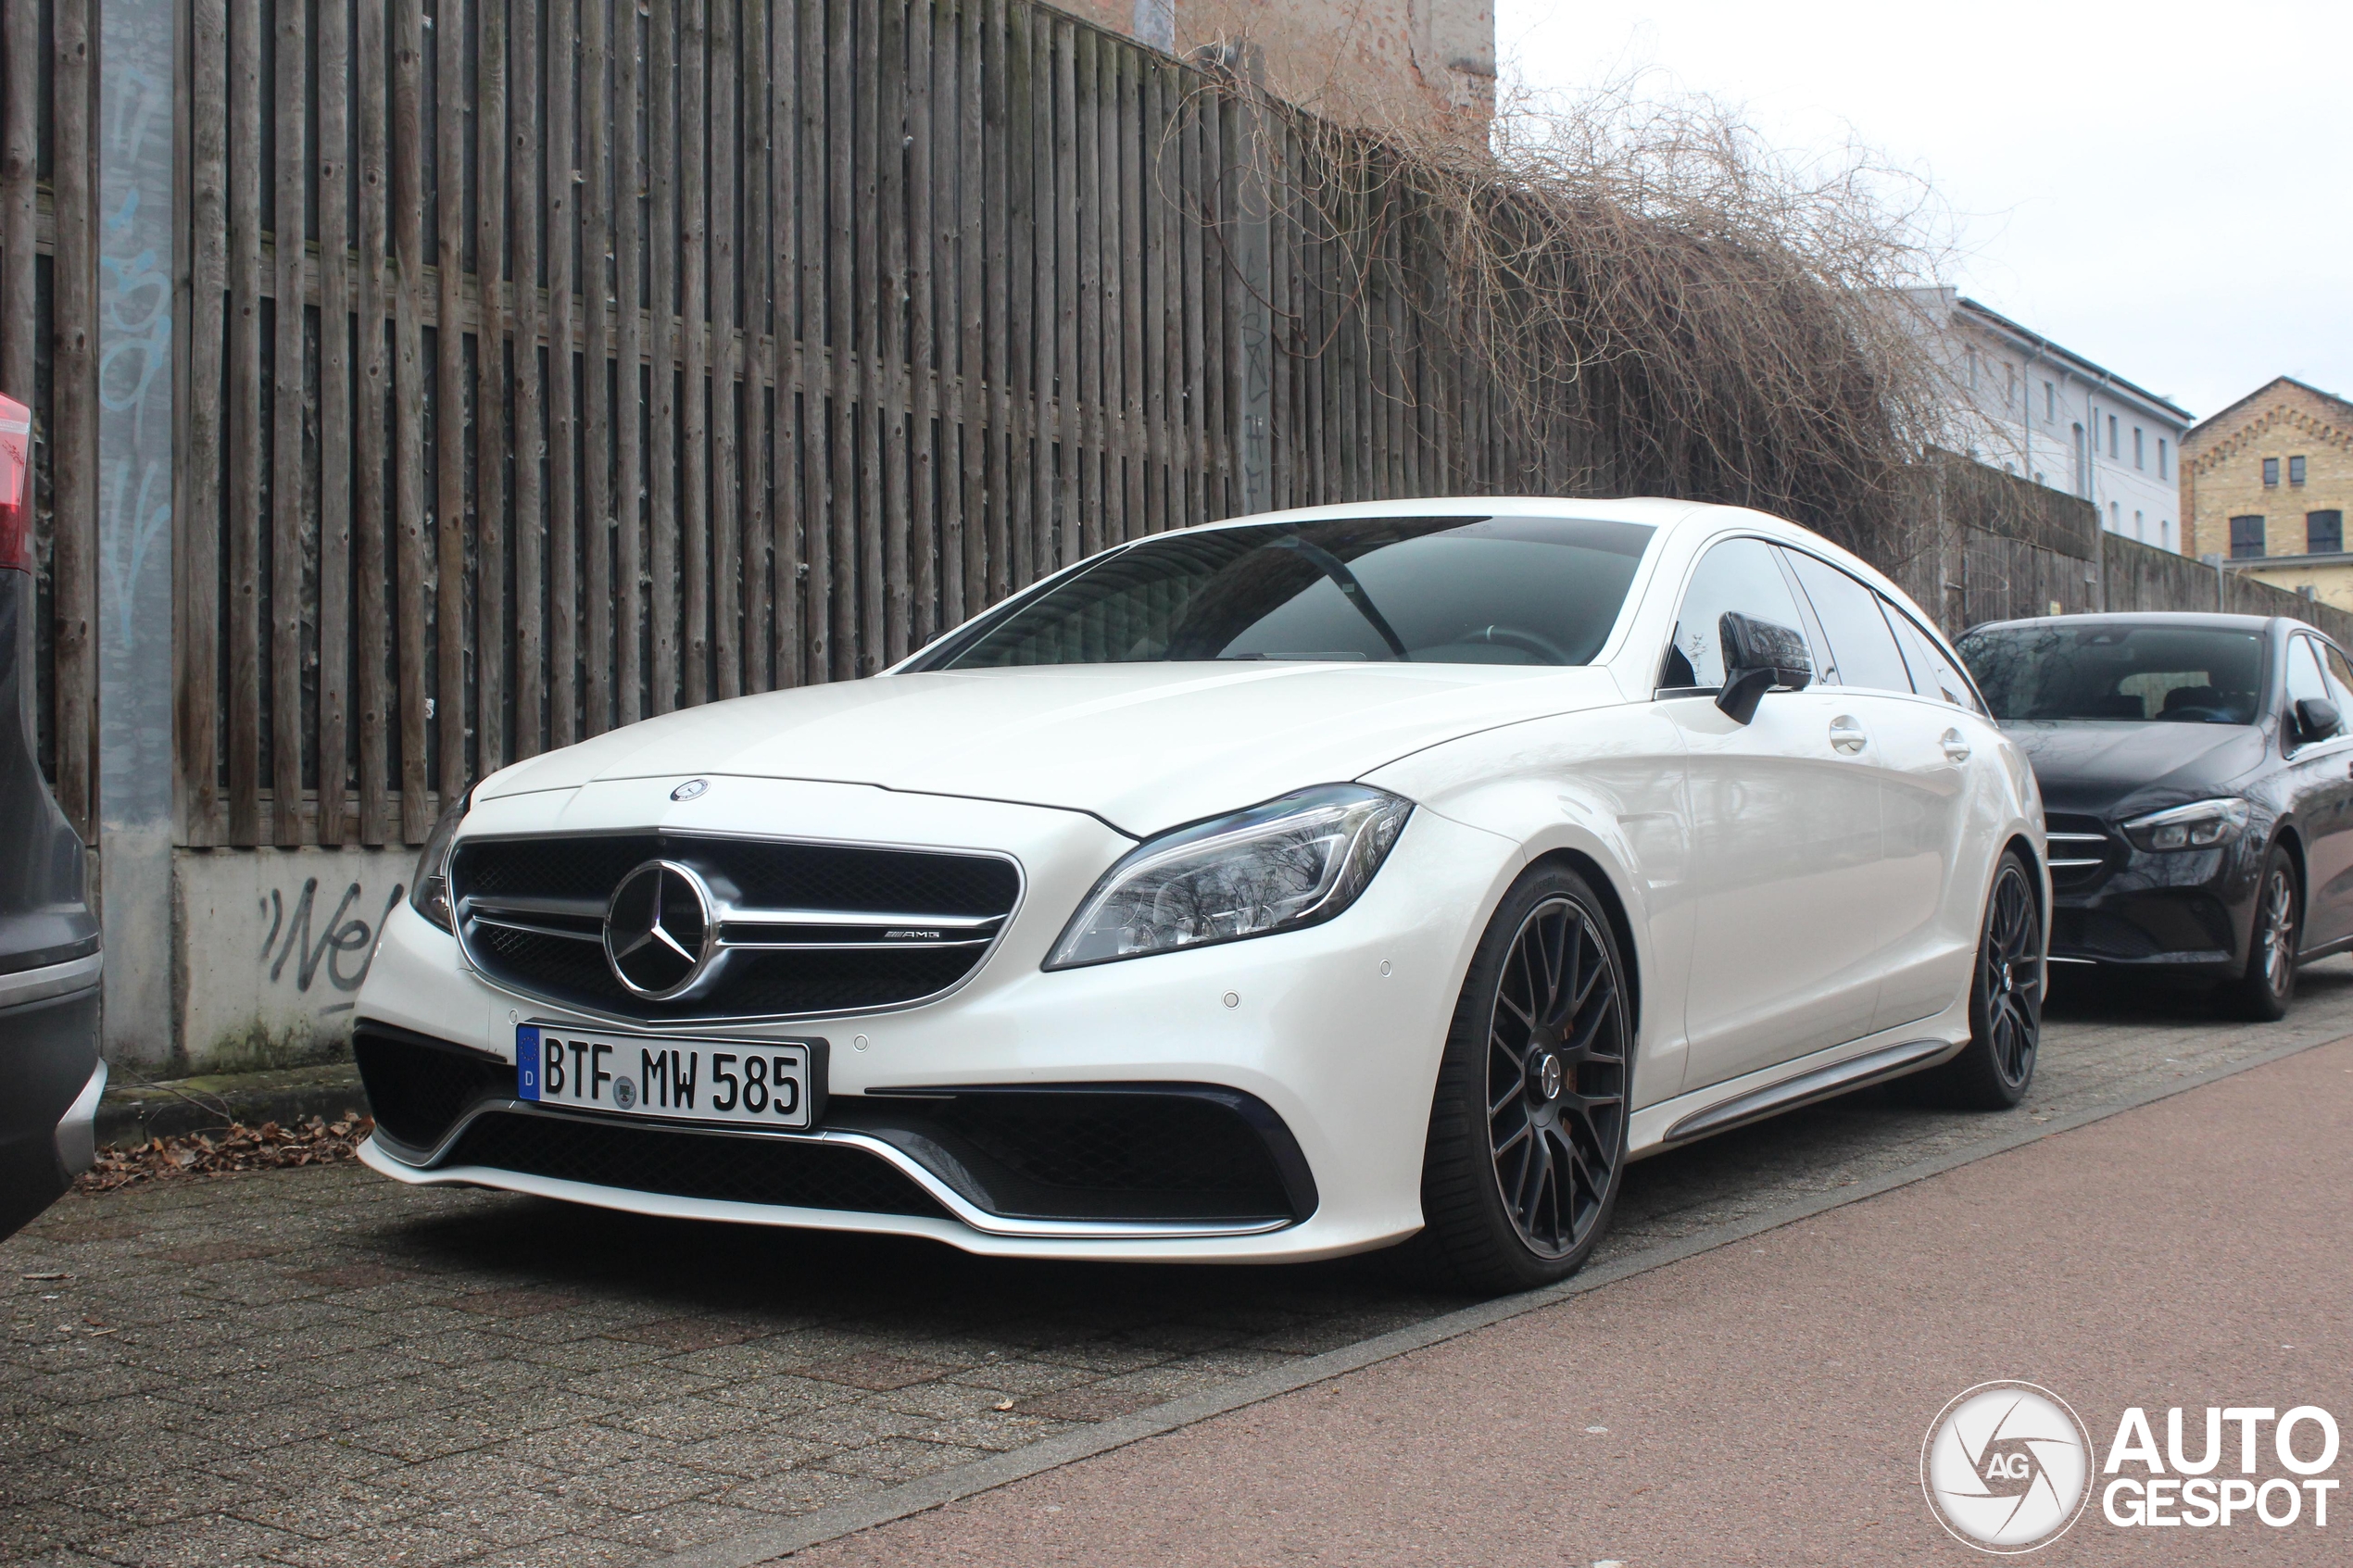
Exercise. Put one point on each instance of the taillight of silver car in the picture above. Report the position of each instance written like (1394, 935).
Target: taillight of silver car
(15, 485)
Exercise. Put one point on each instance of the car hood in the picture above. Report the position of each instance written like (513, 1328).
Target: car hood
(2096, 767)
(1142, 746)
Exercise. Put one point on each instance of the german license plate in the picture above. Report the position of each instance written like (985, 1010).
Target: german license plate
(742, 1083)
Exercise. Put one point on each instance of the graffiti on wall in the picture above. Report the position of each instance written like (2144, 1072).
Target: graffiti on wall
(305, 948)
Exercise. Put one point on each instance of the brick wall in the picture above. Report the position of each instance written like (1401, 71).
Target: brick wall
(2222, 466)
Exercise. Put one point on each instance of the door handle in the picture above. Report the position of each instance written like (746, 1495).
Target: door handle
(1846, 734)
(1956, 748)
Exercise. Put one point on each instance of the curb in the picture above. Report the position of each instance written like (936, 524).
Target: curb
(981, 1475)
(133, 1112)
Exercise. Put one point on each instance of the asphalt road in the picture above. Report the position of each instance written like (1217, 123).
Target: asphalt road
(319, 1366)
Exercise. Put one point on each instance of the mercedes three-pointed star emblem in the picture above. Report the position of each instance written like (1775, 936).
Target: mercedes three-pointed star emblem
(660, 936)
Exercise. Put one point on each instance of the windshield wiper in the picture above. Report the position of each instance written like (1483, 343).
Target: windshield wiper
(1351, 590)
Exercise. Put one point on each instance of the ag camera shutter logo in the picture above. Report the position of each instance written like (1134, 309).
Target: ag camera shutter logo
(2006, 1467)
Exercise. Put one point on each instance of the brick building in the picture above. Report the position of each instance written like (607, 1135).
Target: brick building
(1361, 62)
(2269, 480)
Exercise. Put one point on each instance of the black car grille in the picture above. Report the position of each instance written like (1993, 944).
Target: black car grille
(418, 1087)
(685, 1164)
(556, 950)
(2080, 839)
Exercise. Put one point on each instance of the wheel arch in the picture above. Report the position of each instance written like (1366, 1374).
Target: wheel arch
(1596, 876)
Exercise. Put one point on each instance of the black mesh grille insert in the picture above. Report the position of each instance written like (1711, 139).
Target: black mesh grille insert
(750, 873)
(416, 1090)
(685, 1164)
(1188, 1156)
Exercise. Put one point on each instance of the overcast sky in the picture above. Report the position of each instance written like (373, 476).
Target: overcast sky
(2165, 189)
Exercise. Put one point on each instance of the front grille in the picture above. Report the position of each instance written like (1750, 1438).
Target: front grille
(2079, 839)
(682, 1164)
(417, 1088)
(532, 915)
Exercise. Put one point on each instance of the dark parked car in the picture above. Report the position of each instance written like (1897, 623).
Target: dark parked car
(2195, 777)
(50, 1075)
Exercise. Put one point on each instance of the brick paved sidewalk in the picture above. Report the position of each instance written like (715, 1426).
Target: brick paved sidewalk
(322, 1367)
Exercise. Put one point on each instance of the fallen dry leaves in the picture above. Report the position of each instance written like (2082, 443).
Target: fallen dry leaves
(267, 1147)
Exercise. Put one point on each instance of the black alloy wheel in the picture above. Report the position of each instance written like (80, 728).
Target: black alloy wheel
(2006, 1000)
(2263, 992)
(1528, 1125)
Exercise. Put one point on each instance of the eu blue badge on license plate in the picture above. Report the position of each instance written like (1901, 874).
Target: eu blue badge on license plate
(526, 1061)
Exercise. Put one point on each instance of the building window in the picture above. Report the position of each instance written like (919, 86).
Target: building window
(2296, 470)
(2270, 470)
(2136, 448)
(2140, 527)
(2050, 402)
(2246, 537)
(2160, 459)
(1973, 370)
(2083, 471)
(2324, 533)
(2115, 518)
(2165, 532)
(2009, 385)
(2111, 438)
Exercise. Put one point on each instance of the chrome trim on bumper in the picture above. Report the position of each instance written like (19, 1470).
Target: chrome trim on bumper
(77, 1129)
(51, 979)
(959, 1207)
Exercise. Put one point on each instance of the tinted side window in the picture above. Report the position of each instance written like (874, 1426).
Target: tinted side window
(1932, 673)
(1862, 651)
(2304, 676)
(1738, 575)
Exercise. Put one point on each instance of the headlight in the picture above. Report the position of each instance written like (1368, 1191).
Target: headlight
(2199, 825)
(1289, 863)
(429, 888)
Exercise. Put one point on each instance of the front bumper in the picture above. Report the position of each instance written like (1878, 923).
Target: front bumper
(1333, 1032)
(50, 1081)
(2185, 913)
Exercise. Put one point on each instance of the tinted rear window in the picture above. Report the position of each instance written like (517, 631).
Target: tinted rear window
(1444, 590)
(2179, 674)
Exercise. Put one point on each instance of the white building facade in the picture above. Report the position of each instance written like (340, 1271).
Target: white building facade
(2031, 408)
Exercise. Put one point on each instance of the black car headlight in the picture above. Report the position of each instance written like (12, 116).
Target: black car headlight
(1289, 863)
(2202, 824)
(429, 888)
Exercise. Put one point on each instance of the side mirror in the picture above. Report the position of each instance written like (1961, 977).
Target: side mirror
(2316, 719)
(1760, 657)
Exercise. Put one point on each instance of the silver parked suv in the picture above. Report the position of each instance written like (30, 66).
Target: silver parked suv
(50, 1075)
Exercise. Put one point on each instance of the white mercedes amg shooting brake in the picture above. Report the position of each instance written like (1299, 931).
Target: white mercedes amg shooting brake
(1271, 890)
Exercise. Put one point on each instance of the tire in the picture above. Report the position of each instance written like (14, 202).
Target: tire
(1994, 1071)
(1514, 1198)
(2262, 992)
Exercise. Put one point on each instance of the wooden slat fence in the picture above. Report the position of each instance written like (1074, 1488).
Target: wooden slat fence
(635, 356)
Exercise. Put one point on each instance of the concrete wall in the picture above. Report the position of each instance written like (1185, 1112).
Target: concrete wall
(269, 949)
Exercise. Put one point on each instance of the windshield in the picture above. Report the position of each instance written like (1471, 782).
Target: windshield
(1432, 590)
(2181, 675)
